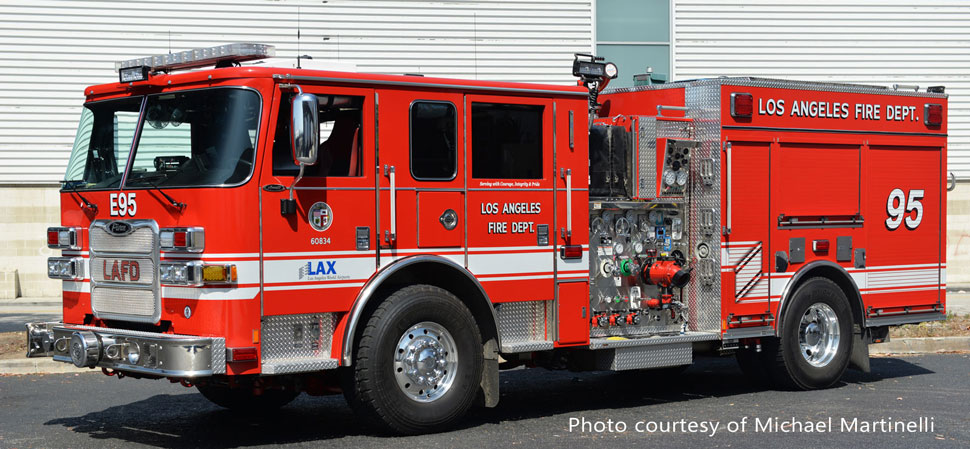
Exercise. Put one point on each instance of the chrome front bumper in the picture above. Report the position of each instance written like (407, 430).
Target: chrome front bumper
(125, 350)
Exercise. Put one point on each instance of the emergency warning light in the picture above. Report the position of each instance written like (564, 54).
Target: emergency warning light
(587, 66)
(222, 55)
(933, 114)
(742, 104)
(132, 74)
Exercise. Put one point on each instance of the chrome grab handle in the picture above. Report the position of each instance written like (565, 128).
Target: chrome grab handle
(389, 172)
(568, 175)
(727, 147)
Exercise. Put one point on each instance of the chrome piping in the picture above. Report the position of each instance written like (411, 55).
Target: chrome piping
(365, 295)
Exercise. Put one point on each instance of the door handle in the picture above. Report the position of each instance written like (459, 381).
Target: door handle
(392, 237)
(449, 219)
(568, 175)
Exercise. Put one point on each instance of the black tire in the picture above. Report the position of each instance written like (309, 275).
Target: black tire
(245, 399)
(371, 384)
(786, 365)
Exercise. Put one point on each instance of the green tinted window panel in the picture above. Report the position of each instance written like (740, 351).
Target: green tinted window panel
(633, 20)
(634, 59)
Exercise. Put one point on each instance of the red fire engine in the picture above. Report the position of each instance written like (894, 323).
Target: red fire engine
(259, 232)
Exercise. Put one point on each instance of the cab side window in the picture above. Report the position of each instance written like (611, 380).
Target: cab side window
(506, 141)
(341, 138)
(434, 141)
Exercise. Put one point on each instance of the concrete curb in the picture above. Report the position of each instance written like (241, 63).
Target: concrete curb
(926, 345)
(39, 365)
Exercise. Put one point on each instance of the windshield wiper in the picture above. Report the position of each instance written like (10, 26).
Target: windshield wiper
(73, 186)
(171, 200)
(161, 176)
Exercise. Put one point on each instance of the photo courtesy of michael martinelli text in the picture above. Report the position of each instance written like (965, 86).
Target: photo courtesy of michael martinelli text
(748, 424)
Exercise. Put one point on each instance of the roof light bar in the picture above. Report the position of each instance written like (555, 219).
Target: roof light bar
(201, 57)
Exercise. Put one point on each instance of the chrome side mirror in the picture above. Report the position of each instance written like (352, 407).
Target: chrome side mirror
(304, 129)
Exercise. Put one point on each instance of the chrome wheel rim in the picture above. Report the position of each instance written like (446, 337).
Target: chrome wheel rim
(425, 361)
(819, 335)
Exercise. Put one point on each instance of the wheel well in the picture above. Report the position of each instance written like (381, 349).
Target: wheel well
(835, 274)
(443, 275)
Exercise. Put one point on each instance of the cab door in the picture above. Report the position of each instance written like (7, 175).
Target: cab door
(316, 260)
(511, 228)
(421, 175)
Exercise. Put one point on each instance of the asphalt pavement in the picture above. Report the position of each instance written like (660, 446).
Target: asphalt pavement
(536, 410)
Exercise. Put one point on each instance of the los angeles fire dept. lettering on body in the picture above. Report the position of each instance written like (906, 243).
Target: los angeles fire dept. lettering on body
(513, 227)
(836, 110)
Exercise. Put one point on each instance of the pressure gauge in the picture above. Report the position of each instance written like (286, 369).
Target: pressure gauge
(618, 248)
(656, 217)
(682, 177)
(638, 247)
(670, 178)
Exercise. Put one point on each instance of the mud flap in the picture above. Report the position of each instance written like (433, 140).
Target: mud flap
(489, 387)
(859, 355)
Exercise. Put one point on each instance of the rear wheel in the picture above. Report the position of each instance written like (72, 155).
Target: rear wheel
(815, 338)
(246, 399)
(418, 362)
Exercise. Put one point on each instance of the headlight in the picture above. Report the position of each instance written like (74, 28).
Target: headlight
(68, 268)
(195, 273)
(180, 273)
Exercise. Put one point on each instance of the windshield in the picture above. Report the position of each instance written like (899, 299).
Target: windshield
(193, 138)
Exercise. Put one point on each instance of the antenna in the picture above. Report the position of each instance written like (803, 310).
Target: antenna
(169, 41)
(298, 38)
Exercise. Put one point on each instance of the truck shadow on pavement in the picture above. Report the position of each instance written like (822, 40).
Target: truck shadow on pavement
(188, 420)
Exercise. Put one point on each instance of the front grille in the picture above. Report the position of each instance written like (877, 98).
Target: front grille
(114, 294)
(123, 301)
(101, 269)
(141, 240)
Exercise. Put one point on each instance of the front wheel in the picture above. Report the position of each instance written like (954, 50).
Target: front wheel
(815, 338)
(418, 362)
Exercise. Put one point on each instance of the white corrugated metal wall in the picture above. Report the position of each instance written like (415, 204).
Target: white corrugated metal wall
(882, 42)
(51, 49)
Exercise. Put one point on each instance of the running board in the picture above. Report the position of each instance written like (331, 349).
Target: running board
(626, 342)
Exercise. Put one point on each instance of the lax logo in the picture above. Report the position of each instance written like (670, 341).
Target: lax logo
(320, 270)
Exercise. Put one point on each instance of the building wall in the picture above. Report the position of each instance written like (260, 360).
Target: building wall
(884, 43)
(51, 49)
(634, 34)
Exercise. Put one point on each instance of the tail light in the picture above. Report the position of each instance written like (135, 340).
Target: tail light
(241, 354)
(933, 114)
(742, 104)
(820, 246)
(571, 252)
(182, 239)
(63, 238)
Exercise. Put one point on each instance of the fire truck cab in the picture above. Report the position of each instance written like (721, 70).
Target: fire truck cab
(258, 232)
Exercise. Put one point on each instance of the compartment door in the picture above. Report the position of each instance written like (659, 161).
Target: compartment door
(905, 192)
